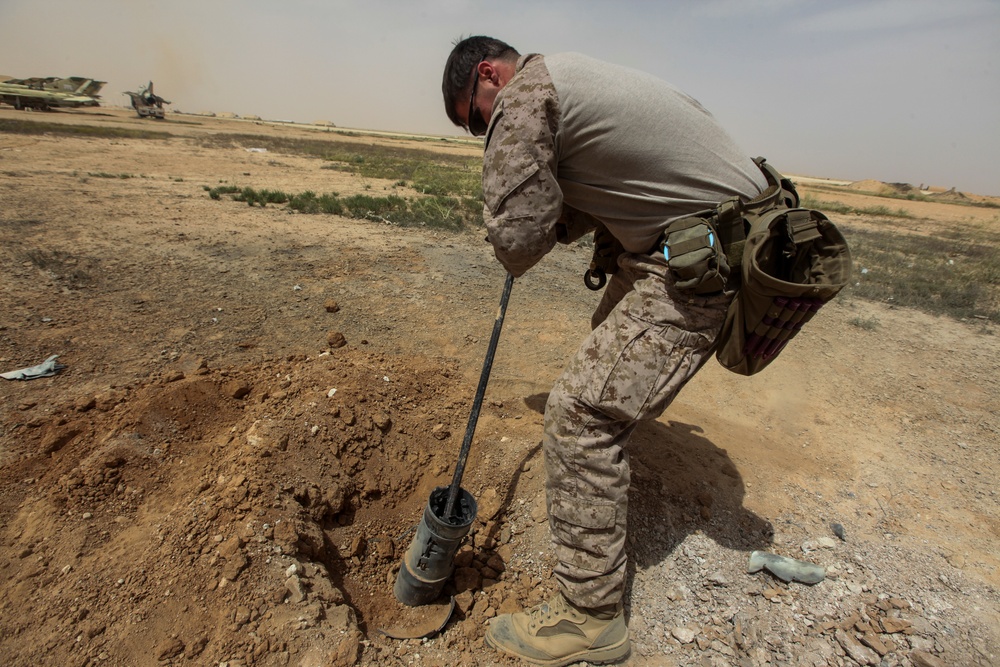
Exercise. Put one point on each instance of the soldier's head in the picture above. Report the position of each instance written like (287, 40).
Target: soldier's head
(477, 69)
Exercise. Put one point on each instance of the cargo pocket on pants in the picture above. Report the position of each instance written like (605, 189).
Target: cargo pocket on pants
(583, 532)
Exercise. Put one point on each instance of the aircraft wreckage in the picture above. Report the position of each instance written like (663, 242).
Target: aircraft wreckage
(146, 103)
(45, 94)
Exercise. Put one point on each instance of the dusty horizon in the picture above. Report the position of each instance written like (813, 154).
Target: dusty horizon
(893, 90)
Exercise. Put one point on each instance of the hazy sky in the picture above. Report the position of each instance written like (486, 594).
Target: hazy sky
(895, 90)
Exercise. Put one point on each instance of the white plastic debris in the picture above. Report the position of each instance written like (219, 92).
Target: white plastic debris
(786, 569)
(44, 369)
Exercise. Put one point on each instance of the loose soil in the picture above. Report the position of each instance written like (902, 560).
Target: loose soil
(257, 404)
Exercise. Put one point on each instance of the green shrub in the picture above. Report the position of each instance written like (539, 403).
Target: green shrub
(217, 192)
(366, 206)
(866, 323)
(18, 126)
(429, 172)
(808, 201)
(957, 276)
(104, 174)
(439, 211)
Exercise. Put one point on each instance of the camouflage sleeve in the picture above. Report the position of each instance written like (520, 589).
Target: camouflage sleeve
(522, 200)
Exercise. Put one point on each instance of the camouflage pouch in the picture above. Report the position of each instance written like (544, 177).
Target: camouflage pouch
(794, 261)
(695, 256)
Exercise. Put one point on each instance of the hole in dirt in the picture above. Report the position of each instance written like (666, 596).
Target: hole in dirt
(183, 520)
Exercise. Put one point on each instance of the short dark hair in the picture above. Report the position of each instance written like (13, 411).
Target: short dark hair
(468, 53)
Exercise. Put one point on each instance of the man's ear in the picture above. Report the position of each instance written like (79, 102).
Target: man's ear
(487, 70)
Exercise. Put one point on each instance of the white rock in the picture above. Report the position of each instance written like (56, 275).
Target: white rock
(683, 635)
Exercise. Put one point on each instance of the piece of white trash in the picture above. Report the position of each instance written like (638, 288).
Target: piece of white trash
(44, 369)
(786, 569)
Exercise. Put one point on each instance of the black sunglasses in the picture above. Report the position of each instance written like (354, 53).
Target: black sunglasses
(476, 125)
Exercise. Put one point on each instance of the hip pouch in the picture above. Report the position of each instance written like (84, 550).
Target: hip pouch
(794, 261)
(694, 254)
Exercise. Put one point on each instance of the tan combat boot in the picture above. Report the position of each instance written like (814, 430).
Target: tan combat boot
(556, 633)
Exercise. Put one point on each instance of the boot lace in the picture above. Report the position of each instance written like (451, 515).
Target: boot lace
(546, 611)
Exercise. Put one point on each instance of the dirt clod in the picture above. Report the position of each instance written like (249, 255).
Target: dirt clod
(336, 339)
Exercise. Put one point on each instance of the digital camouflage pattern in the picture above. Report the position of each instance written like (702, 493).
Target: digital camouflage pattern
(648, 340)
(523, 201)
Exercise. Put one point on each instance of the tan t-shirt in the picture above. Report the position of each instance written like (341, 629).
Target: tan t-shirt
(574, 141)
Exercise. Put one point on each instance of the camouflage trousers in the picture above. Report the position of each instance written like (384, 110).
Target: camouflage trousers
(648, 340)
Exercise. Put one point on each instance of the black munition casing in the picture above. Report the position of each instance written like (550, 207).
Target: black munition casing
(428, 562)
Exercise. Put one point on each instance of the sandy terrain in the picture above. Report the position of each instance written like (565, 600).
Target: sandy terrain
(192, 490)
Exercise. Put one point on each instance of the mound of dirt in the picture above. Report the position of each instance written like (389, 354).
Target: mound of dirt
(952, 195)
(220, 515)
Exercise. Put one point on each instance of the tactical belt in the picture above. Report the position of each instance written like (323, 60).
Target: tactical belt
(701, 249)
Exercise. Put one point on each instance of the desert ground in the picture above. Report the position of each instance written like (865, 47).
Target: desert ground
(256, 404)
